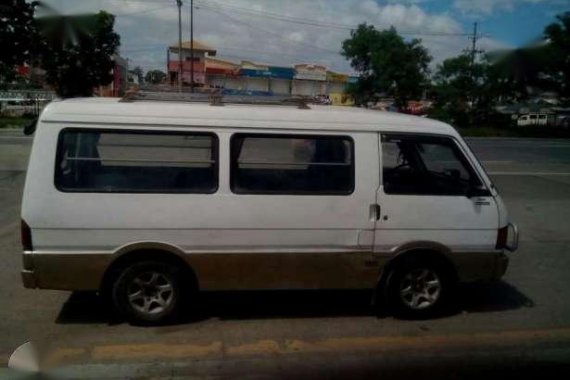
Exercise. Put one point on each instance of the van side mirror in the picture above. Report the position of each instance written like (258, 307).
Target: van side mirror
(477, 191)
(30, 128)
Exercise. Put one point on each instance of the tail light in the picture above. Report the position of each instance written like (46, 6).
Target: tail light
(502, 236)
(26, 236)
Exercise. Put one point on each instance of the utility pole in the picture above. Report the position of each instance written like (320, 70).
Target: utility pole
(474, 38)
(179, 4)
(191, 45)
(472, 53)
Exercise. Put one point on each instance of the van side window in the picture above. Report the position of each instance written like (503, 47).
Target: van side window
(291, 164)
(136, 161)
(425, 166)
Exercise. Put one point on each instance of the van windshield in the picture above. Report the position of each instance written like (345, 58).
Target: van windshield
(425, 166)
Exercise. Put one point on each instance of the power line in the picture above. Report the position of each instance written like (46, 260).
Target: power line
(216, 5)
(304, 21)
(270, 15)
(136, 48)
(246, 58)
(277, 35)
(141, 1)
(141, 12)
(268, 52)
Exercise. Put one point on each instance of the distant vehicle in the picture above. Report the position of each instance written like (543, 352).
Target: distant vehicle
(322, 99)
(533, 119)
(145, 201)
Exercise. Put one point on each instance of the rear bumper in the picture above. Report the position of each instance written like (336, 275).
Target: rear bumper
(64, 271)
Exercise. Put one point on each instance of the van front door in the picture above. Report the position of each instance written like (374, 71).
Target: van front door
(430, 194)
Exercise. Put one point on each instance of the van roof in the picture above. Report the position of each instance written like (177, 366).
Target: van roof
(112, 112)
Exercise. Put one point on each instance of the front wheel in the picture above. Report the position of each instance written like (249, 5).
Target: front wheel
(419, 289)
(148, 292)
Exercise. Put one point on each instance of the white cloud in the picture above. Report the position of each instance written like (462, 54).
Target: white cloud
(488, 6)
(248, 29)
(296, 36)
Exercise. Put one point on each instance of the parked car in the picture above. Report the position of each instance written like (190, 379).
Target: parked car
(146, 201)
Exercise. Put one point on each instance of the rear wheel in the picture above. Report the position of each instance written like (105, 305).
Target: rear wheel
(148, 292)
(419, 289)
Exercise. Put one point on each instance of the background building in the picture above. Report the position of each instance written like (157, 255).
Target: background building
(253, 77)
(201, 51)
(309, 80)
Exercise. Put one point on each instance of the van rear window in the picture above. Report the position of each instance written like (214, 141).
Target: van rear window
(291, 164)
(136, 161)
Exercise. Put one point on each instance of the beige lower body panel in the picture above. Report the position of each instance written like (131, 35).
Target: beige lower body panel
(69, 271)
(480, 266)
(286, 270)
(248, 271)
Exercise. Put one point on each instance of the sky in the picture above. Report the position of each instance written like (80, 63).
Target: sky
(286, 32)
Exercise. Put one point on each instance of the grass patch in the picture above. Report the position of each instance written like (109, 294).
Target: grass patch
(539, 132)
(14, 122)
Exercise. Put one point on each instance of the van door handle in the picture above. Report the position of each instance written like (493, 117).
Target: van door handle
(482, 202)
(374, 212)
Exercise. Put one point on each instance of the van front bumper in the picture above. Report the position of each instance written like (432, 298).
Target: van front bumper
(480, 266)
(513, 236)
(29, 279)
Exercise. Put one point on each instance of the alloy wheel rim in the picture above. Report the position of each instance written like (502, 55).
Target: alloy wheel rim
(420, 289)
(150, 293)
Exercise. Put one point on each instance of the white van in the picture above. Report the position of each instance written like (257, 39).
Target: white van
(532, 119)
(146, 200)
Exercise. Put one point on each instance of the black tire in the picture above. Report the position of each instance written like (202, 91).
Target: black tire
(431, 300)
(148, 306)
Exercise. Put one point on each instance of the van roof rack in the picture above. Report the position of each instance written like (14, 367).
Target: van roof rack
(215, 98)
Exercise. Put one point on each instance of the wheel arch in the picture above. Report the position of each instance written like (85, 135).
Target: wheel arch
(424, 250)
(146, 251)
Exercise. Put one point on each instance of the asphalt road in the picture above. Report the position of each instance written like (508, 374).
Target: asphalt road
(518, 325)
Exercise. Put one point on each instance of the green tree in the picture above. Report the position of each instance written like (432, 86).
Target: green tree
(155, 76)
(557, 52)
(78, 52)
(452, 83)
(386, 64)
(519, 70)
(18, 36)
(138, 73)
(542, 65)
(465, 91)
